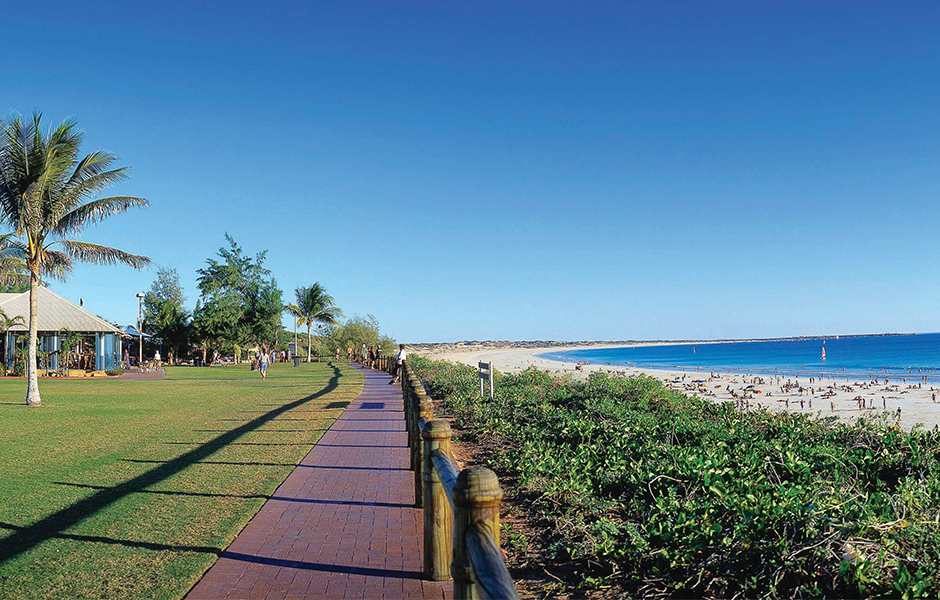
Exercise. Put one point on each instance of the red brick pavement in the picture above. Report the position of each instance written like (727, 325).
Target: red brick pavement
(342, 525)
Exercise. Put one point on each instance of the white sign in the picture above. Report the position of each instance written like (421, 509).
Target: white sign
(486, 374)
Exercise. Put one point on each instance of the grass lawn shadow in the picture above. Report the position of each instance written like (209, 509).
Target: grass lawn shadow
(55, 525)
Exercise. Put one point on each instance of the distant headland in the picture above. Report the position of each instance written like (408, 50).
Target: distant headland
(468, 345)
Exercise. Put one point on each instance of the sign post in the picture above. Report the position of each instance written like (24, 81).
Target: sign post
(486, 374)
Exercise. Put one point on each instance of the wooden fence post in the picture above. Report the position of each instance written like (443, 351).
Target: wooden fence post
(438, 519)
(418, 397)
(426, 413)
(406, 393)
(476, 502)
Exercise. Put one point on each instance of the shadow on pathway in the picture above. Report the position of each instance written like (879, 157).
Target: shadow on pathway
(342, 525)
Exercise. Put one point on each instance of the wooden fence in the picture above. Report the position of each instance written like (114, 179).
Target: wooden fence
(461, 508)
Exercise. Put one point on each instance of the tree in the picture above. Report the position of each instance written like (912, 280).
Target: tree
(239, 302)
(314, 305)
(47, 195)
(359, 331)
(165, 314)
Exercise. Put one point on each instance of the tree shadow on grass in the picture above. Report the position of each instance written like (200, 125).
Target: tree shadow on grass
(262, 430)
(241, 444)
(52, 526)
(170, 492)
(128, 543)
(214, 462)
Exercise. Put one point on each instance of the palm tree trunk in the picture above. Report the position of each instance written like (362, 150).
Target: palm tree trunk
(32, 391)
(309, 344)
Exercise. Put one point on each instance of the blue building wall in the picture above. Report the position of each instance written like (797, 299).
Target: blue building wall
(107, 349)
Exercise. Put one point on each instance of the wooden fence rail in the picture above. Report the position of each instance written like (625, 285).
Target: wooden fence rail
(461, 508)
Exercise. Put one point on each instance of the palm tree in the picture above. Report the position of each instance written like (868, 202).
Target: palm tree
(314, 305)
(47, 195)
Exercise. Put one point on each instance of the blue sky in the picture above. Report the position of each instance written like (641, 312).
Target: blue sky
(516, 170)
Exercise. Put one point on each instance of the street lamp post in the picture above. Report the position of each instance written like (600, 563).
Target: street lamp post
(140, 330)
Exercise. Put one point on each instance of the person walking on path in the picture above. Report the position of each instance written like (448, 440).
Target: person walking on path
(399, 363)
(263, 364)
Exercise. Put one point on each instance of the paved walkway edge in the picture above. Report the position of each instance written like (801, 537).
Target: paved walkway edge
(342, 525)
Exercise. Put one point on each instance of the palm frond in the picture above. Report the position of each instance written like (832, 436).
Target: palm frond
(80, 187)
(57, 265)
(13, 267)
(90, 165)
(6, 322)
(101, 255)
(94, 212)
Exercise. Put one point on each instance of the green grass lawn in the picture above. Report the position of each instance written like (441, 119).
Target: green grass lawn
(131, 489)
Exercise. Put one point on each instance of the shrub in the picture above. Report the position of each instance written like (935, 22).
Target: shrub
(663, 494)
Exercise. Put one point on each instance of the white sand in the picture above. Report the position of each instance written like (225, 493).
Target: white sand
(829, 396)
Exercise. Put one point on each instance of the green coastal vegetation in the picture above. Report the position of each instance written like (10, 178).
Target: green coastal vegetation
(131, 489)
(634, 489)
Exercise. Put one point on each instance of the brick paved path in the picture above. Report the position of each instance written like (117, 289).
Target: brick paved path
(342, 524)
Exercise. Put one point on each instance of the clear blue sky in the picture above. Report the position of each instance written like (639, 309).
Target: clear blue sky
(517, 170)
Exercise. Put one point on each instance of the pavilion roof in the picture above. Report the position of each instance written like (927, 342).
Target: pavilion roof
(55, 313)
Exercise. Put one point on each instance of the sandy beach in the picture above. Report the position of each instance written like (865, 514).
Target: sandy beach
(827, 397)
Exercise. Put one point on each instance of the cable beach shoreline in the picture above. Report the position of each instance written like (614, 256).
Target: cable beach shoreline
(813, 389)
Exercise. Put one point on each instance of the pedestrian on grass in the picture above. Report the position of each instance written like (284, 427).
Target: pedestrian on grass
(263, 363)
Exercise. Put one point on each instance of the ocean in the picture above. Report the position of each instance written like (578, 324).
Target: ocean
(854, 357)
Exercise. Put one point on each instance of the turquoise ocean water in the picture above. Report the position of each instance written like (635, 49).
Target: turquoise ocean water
(909, 355)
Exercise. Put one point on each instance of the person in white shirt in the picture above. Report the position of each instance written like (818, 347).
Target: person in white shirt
(399, 363)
